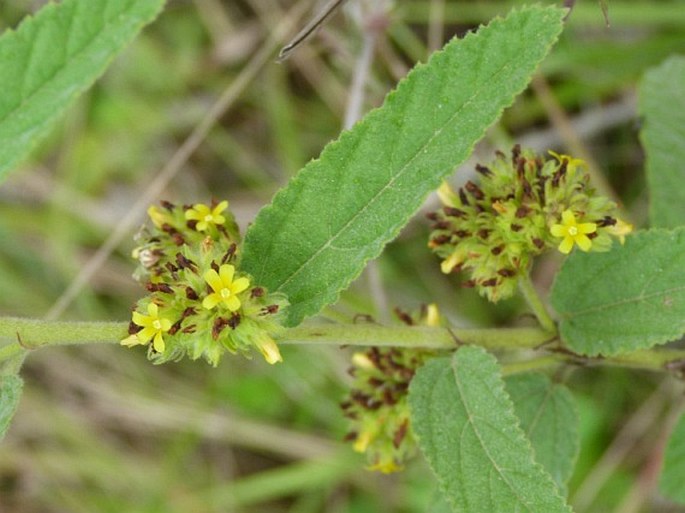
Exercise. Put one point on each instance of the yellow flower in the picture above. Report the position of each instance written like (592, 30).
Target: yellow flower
(269, 349)
(447, 195)
(205, 217)
(386, 467)
(571, 163)
(225, 289)
(158, 217)
(620, 230)
(153, 326)
(572, 232)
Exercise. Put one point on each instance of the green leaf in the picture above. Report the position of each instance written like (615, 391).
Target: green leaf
(673, 473)
(10, 392)
(550, 421)
(341, 209)
(662, 106)
(466, 427)
(52, 58)
(631, 297)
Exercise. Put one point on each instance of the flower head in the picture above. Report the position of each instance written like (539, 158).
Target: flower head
(573, 232)
(225, 288)
(153, 327)
(205, 216)
(620, 230)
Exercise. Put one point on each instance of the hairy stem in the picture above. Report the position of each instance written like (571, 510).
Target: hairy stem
(533, 299)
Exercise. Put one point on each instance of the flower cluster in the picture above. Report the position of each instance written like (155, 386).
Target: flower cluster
(523, 206)
(377, 405)
(199, 304)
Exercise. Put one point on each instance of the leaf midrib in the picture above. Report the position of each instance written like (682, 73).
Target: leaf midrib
(400, 173)
(74, 56)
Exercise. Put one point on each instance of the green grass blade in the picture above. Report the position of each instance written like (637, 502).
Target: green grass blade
(629, 298)
(466, 427)
(671, 480)
(52, 58)
(662, 106)
(341, 209)
(550, 421)
(10, 392)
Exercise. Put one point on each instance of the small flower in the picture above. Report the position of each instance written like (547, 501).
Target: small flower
(158, 217)
(573, 232)
(269, 349)
(206, 216)
(225, 289)
(153, 326)
(620, 230)
(571, 163)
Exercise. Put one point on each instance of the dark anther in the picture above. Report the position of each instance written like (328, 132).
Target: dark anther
(191, 294)
(159, 287)
(441, 225)
(133, 328)
(189, 329)
(185, 263)
(230, 253)
(462, 233)
(167, 204)
(440, 240)
(400, 434)
(497, 249)
(462, 197)
(454, 212)
(257, 292)
(234, 321)
(469, 284)
(592, 235)
(178, 239)
(432, 216)
(388, 398)
(214, 266)
(607, 221)
(500, 155)
(516, 227)
(483, 233)
(483, 170)
(403, 316)
(515, 153)
(188, 312)
(492, 282)
(175, 327)
(267, 310)
(350, 436)
(191, 224)
(559, 173)
(219, 324)
(475, 190)
(506, 273)
(523, 211)
(539, 243)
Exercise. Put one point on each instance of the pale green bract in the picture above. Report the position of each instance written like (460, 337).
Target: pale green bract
(671, 480)
(550, 421)
(631, 297)
(465, 425)
(52, 58)
(10, 392)
(662, 107)
(341, 209)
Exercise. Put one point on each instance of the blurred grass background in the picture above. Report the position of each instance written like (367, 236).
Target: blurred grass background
(101, 430)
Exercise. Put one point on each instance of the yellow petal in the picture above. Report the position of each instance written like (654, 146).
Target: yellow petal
(270, 351)
(232, 303)
(201, 226)
(432, 315)
(131, 340)
(583, 242)
(218, 219)
(566, 245)
(213, 280)
(211, 301)
(153, 310)
(166, 324)
(387, 467)
(220, 208)
(362, 442)
(587, 228)
(226, 272)
(446, 194)
(362, 361)
(451, 262)
(159, 343)
(558, 230)
(140, 319)
(239, 285)
(146, 334)
(568, 218)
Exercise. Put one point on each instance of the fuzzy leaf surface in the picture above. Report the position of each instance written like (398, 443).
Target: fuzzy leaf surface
(671, 480)
(341, 209)
(550, 421)
(662, 106)
(466, 427)
(52, 58)
(631, 297)
(10, 392)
